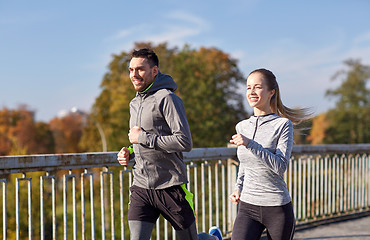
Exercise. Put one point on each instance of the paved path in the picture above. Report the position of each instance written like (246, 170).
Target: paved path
(355, 229)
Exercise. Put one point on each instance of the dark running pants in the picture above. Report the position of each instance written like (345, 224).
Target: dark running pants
(173, 203)
(252, 220)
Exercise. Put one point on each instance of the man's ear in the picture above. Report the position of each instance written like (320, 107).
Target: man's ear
(155, 70)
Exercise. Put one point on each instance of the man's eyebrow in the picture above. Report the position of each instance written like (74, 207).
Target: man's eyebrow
(138, 67)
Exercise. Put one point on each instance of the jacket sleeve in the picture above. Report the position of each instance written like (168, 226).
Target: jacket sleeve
(240, 177)
(278, 161)
(180, 138)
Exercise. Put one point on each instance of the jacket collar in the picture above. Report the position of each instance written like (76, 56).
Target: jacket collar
(263, 118)
(161, 81)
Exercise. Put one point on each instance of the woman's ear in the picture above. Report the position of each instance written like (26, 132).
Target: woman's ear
(272, 92)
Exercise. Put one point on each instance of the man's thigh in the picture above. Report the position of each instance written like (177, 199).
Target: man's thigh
(141, 207)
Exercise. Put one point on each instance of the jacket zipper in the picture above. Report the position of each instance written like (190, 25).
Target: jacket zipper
(138, 123)
(139, 111)
(255, 129)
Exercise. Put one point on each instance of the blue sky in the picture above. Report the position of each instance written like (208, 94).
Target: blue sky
(53, 54)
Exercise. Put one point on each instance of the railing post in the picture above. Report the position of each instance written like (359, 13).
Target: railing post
(196, 197)
(202, 173)
(232, 168)
(65, 213)
(29, 208)
(4, 186)
(122, 199)
(367, 181)
(102, 198)
(225, 198)
(217, 195)
(309, 185)
(300, 191)
(54, 219)
(210, 194)
(92, 213)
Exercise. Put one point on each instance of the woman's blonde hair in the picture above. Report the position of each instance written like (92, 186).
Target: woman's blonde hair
(296, 115)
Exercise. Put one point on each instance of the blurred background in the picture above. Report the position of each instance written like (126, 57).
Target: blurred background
(65, 85)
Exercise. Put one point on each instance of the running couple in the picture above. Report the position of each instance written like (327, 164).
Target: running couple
(159, 133)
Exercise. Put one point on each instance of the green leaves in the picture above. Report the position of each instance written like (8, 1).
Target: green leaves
(349, 120)
(207, 80)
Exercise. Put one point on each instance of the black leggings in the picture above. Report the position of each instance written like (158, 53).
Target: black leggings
(252, 220)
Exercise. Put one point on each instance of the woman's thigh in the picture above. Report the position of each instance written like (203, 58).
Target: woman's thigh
(279, 221)
(247, 225)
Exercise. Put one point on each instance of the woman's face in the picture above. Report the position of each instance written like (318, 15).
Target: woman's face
(258, 94)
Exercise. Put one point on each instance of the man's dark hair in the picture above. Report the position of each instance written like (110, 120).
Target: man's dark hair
(147, 54)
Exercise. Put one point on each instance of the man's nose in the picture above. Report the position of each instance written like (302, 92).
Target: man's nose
(134, 73)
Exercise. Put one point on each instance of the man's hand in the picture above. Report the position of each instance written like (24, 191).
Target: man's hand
(133, 135)
(123, 156)
(239, 140)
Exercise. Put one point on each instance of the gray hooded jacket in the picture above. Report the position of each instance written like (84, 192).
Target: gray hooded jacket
(264, 160)
(166, 134)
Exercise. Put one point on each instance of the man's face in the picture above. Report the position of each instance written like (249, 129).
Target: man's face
(141, 74)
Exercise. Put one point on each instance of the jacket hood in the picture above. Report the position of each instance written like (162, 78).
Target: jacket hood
(263, 119)
(162, 81)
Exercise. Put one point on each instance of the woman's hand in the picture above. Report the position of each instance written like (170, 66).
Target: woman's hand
(235, 197)
(239, 140)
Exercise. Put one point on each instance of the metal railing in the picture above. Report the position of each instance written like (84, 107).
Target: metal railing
(329, 182)
(85, 196)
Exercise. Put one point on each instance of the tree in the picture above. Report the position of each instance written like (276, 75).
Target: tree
(20, 134)
(67, 132)
(44, 139)
(349, 121)
(319, 126)
(207, 81)
(5, 141)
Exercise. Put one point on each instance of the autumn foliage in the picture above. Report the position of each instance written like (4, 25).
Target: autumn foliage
(20, 134)
(208, 82)
(67, 132)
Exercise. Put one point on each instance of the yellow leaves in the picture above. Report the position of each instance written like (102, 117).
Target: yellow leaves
(17, 130)
(319, 125)
(67, 133)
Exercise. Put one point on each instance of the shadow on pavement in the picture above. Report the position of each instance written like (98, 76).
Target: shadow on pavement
(361, 236)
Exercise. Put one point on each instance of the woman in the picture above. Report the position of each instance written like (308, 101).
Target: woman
(264, 142)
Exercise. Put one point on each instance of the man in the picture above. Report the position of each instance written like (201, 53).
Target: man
(159, 133)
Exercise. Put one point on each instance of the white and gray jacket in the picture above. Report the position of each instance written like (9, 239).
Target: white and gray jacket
(264, 160)
(166, 134)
